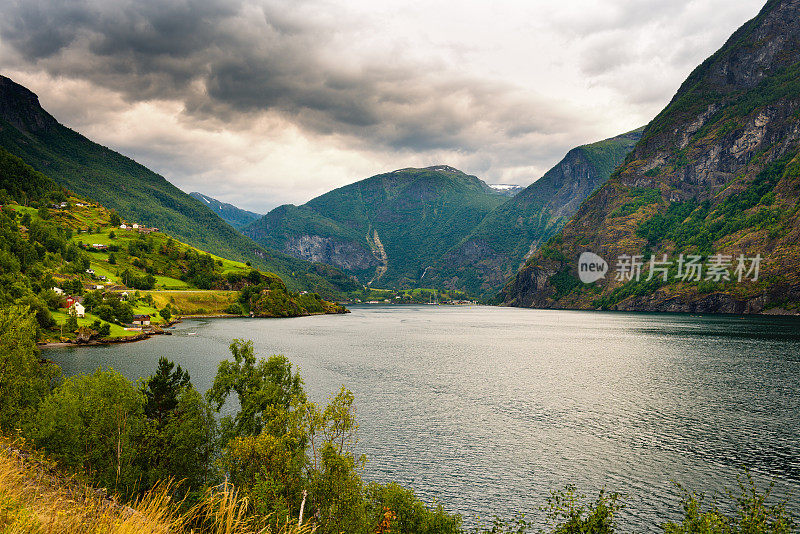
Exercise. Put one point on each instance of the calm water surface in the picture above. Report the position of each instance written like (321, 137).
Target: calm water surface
(487, 409)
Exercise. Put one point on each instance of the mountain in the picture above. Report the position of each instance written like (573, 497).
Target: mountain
(236, 217)
(496, 248)
(137, 193)
(50, 238)
(715, 175)
(388, 229)
(508, 190)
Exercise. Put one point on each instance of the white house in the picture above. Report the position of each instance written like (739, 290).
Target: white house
(135, 226)
(80, 311)
(58, 291)
(123, 295)
(90, 271)
(123, 226)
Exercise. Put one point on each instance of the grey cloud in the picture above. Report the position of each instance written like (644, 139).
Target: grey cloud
(228, 60)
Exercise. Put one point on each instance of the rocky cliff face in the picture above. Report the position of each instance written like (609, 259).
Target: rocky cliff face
(513, 231)
(716, 173)
(343, 254)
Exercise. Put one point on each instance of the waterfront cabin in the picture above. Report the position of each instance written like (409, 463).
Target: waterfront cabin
(141, 320)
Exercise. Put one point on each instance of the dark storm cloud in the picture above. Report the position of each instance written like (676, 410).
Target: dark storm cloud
(226, 60)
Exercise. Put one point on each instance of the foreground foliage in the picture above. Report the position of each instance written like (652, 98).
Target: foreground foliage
(280, 463)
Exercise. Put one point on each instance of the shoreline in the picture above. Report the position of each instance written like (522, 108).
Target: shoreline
(146, 335)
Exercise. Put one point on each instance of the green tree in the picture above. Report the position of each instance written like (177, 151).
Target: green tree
(570, 514)
(114, 219)
(161, 390)
(24, 380)
(411, 515)
(89, 424)
(258, 384)
(269, 467)
(166, 313)
(72, 320)
(182, 444)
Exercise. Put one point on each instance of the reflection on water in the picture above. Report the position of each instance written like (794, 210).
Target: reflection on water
(487, 409)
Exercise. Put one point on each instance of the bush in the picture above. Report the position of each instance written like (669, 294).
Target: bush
(752, 514)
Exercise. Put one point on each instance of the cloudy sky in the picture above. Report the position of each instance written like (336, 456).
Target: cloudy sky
(263, 102)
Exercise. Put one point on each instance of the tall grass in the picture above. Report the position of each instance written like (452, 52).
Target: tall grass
(36, 499)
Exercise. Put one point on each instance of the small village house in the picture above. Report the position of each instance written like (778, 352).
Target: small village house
(141, 320)
(58, 291)
(72, 300)
(80, 311)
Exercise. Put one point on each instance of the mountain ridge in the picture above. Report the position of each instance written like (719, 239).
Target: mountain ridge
(386, 228)
(137, 193)
(498, 245)
(717, 172)
(233, 215)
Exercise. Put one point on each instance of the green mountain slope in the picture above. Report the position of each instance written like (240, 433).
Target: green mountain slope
(50, 238)
(716, 175)
(496, 248)
(236, 217)
(387, 229)
(138, 194)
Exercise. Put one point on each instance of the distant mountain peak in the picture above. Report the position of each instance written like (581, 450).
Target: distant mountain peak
(433, 168)
(20, 107)
(508, 190)
(233, 215)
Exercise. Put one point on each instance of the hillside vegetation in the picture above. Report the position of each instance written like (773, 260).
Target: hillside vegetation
(386, 230)
(497, 247)
(136, 193)
(59, 247)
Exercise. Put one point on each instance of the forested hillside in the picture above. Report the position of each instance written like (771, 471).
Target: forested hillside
(135, 192)
(388, 229)
(497, 247)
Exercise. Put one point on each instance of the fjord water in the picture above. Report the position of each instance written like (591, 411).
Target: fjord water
(487, 409)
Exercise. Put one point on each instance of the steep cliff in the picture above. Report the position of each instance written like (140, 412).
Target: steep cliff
(715, 175)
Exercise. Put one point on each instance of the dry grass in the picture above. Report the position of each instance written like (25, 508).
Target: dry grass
(35, 498)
